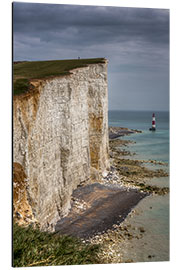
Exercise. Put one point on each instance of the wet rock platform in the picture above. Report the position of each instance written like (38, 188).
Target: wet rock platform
(96, 208)
(115, 132)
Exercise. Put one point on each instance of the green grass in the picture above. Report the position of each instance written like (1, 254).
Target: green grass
(32, 247)
(45, 69)
(21, 86)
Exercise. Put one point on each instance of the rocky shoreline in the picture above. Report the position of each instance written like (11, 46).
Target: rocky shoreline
(129, 173)
(100, 211)
(132, 172)
(116, 132)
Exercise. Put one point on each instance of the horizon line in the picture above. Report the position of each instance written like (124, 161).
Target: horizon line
(133, 110)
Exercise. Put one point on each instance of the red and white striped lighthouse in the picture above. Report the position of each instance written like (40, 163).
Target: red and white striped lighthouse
(153, 128)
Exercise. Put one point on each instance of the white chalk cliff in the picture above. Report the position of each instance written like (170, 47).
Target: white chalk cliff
(61, 138)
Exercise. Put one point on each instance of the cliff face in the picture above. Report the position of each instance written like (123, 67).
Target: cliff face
(61, 138)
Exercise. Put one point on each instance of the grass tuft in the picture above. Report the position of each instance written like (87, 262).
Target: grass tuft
(21, 86)
(31, 247)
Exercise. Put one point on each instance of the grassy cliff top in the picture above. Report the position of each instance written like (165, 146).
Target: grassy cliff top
(23, 72)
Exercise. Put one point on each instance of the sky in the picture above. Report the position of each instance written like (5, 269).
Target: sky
(134, 40)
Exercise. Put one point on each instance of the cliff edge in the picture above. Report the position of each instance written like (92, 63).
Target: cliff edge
(60, 138)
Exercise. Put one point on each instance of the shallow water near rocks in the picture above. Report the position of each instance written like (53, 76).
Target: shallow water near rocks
(152, 213)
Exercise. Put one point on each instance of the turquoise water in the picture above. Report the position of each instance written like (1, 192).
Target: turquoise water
(138, 119)
(149, 145)
(152, 213)
(153, 210)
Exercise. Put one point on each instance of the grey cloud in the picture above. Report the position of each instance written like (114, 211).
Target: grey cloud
(135, 41)
(92, 24)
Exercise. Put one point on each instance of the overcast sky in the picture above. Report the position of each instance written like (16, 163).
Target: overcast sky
(134, 40)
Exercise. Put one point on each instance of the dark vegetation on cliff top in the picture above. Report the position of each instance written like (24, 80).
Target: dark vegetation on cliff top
(32, 247)
(23, 72)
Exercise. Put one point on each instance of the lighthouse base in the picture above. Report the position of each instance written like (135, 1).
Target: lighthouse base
(152, 129)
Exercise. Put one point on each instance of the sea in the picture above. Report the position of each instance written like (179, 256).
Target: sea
(152, 213)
